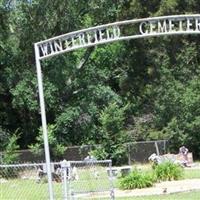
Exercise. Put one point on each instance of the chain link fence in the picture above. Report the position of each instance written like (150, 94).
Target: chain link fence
(90, 180)
(140, 151)
(72, 180)
(135, 152)
(21, 181)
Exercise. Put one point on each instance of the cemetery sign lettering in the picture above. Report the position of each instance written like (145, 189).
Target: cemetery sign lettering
(124, 30)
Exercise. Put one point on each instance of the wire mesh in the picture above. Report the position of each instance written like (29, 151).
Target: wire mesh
(26, 182)
(135, 152)
(76, 180)
(140, 151)
(91, 180)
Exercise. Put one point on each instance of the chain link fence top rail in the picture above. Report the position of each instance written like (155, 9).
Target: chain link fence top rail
(76, 180)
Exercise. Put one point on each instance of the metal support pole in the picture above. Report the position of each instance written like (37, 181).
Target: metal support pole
(44, 123)
(66, 171)
(68, 181)
(157, 149)
(112, 193)
(164, 147)
(65, 183)
(129, 154)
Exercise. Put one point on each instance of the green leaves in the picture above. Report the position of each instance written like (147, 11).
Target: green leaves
(24, 94)
(56, 148)
(86, 91)
(113, 135)
(9, 149)
(136, 179)
(168, 7)
(112, 118)
(168, 171)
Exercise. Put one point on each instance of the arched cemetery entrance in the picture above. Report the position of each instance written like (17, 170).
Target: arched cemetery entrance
(141, 28)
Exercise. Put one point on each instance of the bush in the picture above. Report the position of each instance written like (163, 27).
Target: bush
(168, 171)
(113, 134)
(56, 148)
(9, 157)
(137, 179)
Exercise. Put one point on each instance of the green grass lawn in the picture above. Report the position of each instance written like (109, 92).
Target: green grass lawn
(191, 173)
(24, 189)
(27, 190)
(87, 181)
(194, 195)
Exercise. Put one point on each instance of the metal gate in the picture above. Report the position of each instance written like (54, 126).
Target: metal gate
(88, 179)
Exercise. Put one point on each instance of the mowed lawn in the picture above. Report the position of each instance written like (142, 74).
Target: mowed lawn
(24, 189)
(30, 190)
(193, 195)
(190, 173)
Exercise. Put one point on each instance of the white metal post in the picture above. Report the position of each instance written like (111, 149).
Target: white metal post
(112, 193)
(44, 123)
(64, 179)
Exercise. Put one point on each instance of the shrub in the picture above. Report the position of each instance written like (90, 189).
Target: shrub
(9, 157)
(56, 148)
(168, 171)
(113, 133)
(136, 179)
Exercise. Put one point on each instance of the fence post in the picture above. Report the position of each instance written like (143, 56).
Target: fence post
(157, 149)
(112, 194)
(1, 158)
(129, 154)
(65, 167)
(164, 146)
(69, 175)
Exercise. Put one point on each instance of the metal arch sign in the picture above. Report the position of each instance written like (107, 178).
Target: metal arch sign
(138, 28)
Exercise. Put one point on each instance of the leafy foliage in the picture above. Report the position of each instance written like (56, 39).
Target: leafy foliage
(10, 156)
(113, 135)
(136, 179)
(168, 171)
(86, 91)
(56, 149)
